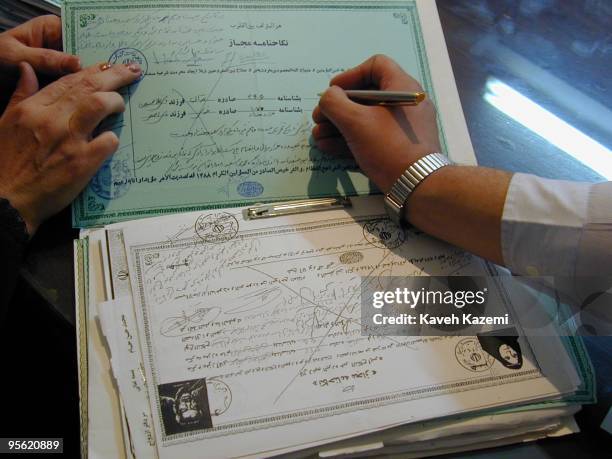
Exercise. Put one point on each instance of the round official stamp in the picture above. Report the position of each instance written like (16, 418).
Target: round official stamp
(216, 227)
(383, 234)
(471, 356)
(129, 56)
(111, 180)
(250, 189)
(219, 396)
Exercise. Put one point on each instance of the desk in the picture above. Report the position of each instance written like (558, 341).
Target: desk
(540, 48)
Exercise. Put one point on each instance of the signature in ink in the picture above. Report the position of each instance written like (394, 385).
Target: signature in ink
(255, 300)
(178, 326)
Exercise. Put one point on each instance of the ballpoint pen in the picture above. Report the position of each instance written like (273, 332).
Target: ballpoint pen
(385, 98)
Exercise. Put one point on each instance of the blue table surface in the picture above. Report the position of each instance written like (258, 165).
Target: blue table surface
(556, 54)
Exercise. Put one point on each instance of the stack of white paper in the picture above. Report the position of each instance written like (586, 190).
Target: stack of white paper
(228, 337)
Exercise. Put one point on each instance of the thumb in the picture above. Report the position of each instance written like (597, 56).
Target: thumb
(345, 114)
(26, 86)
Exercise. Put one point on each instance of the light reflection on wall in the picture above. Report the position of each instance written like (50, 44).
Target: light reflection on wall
(550, 127)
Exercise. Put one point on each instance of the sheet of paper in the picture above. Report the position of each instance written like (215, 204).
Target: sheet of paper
(119, 327)
(118, 282)
(564, 426)
(222, 116)
(252, 329)
(105, 420)
(433, 434)
(117, 264)
(80, 296)
(411, 433)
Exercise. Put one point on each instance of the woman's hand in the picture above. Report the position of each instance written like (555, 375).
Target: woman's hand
(383, 140)
(47, 153)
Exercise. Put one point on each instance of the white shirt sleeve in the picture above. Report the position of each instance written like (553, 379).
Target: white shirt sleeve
(557, 228)
(563, 229)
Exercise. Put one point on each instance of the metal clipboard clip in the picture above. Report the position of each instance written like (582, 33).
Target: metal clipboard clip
(279, 209)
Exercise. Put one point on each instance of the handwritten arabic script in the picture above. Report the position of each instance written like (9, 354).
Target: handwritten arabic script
(223, 101)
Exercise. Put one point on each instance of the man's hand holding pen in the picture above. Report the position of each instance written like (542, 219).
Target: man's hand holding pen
(384, 140)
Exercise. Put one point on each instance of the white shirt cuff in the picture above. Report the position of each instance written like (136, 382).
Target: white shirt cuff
(542, 225)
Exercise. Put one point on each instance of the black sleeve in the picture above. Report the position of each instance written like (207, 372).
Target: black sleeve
(13, 240)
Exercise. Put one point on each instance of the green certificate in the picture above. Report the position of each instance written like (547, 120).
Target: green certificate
(222, 114)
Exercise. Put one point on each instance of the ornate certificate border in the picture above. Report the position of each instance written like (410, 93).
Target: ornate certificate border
(138, 254)
(74, 12)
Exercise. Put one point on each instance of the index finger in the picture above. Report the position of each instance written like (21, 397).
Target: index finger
(108, 77)
(378, 71)
(97, 78)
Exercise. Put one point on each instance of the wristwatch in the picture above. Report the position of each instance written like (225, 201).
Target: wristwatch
(412, 177)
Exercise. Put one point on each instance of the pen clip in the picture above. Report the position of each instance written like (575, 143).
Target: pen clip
(398, 104)
(278, 209)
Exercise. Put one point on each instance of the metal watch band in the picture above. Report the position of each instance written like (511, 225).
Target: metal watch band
(409, 180)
